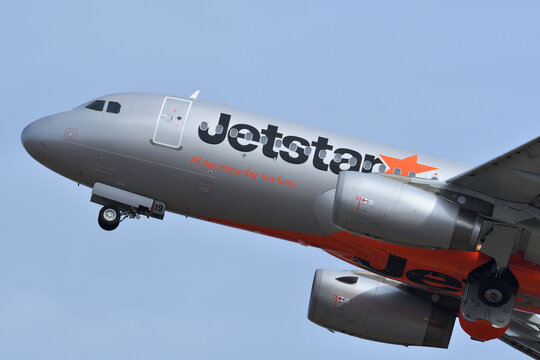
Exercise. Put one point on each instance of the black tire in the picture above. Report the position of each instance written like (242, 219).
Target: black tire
(109, 217)
(494, 292)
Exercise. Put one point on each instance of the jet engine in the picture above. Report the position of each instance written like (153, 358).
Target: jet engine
(371, 307)
(391, 210)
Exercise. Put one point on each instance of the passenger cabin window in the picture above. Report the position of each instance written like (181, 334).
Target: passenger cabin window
(96, 105)
(367, 165)
(113, 107)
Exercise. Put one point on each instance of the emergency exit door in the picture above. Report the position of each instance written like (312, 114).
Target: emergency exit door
(171, 122)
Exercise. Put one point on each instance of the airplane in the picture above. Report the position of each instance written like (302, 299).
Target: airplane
(430, 240)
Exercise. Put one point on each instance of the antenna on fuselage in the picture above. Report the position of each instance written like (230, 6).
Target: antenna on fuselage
(195, 94)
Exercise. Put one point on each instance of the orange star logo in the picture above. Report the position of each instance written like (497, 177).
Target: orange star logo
(406, 166)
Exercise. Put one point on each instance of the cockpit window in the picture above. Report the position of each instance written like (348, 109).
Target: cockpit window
(113, 107)
(96, 105)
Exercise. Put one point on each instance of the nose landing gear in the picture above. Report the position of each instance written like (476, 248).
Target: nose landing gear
(119, 205)
(109, 217)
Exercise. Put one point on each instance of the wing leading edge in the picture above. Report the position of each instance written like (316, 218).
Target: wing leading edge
(514, 176)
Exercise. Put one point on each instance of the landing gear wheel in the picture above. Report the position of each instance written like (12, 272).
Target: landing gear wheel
(494, 292)
(109, 217)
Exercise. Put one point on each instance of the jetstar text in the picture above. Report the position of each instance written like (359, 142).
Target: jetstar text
(292, 154)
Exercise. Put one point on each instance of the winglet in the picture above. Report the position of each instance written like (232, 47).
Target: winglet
(195, 94)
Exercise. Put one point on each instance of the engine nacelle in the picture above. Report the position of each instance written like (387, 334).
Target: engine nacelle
(371, 307)
(394, 211)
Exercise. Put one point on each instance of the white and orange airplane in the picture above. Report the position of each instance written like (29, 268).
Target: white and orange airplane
(439, 240)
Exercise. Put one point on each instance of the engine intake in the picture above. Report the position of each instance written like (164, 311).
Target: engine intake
(371, 307)
(394, 211)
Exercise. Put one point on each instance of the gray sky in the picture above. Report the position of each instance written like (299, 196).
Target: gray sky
(456, 79)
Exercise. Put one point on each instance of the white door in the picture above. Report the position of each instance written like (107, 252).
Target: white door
(171, 122)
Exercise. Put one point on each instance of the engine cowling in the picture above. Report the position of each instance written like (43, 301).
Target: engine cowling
(395, 211)
(371, 307)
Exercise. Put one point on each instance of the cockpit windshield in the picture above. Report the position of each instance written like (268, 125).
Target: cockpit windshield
(113, 107)
(97, 105)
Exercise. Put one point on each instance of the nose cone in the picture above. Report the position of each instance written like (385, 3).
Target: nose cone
(34, 138)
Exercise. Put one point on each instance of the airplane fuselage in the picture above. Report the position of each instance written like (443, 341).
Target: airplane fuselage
(253, 172)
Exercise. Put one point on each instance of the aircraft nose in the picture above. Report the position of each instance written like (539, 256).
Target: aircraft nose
(34, 138)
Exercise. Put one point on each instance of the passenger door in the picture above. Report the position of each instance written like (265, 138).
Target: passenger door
(171, 122)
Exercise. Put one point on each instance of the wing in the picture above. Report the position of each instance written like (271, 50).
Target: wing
(514, 176)
(524, 333)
